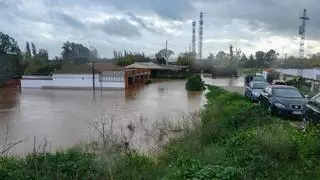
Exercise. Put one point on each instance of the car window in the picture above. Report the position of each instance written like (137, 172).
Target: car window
(258, 85)
(258, 78)
(287, 93)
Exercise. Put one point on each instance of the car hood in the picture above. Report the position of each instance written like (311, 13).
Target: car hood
(257, 90)
(290, 101)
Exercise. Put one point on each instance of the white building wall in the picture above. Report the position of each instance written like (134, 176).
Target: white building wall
(70, 81)
(307, 73)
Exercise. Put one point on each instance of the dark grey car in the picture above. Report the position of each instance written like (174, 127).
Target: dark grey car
(254, 89)
(284, 101)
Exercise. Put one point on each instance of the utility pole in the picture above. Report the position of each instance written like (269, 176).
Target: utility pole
(166, 52)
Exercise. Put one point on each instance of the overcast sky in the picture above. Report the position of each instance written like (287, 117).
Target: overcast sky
(144, 25)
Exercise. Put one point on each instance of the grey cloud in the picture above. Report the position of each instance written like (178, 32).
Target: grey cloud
(118, 27)
(67, 20)
(3, 5)
(147, 25)
(167, 9)
(279, 17)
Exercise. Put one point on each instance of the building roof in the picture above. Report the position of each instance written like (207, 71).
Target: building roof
(87, 68)
(150, 65)
(143, 65)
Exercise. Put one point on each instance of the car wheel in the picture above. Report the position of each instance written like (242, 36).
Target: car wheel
(271, 110)
(304, 124)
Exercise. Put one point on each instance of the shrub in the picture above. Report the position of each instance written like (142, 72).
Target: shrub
(195, 83)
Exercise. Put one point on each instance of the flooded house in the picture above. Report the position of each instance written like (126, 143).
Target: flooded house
(88, 76)
(161, 70)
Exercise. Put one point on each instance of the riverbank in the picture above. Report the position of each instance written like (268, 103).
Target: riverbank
(234, 140)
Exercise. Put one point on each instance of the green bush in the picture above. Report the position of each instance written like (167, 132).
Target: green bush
(195, 83)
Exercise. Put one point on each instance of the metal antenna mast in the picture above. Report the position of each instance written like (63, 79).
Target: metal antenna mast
(302, 33)
(194, 37)
(200, 35)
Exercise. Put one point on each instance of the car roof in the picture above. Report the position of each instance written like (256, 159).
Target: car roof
(277, 80)
(259, 82)
(282, 87)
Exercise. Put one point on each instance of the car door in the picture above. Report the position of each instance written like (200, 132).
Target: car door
(248, 90)
(264, 96)
(313, 109)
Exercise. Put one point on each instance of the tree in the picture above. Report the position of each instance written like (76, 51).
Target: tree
(8, 45)
(251, 63)
(28, 50)
(163, 55)
(34, 50)
(243, 60)
(260, 55)
(270, 57)
(222, 58)
(26, 57)
(10, 58)
(186, 59)
(75, 53)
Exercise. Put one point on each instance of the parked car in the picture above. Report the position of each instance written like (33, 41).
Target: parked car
(250, 78)
(311, 112)
(279, 82)
(254, 89)
(284, 101)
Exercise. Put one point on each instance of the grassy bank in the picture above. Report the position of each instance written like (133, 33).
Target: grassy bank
(235, 140)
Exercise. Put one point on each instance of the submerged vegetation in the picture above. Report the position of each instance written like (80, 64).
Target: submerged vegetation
(195, 83)
(235, 140)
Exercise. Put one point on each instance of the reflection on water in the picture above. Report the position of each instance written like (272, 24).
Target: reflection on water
(63, 116)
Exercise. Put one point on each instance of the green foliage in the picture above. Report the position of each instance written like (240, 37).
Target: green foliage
(125, 58)
(195, 83)
(72, 164)
(76, 53)
(8, 45)
(186, 59)
(163, 55)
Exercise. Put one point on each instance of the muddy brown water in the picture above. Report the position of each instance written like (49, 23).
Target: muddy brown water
(65, 117)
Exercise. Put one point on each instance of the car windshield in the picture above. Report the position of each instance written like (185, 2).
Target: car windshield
(258, 78)
(258, 85)
(287, 93)
(280, 83)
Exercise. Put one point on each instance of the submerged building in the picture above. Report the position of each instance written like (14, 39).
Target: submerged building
(85, 76)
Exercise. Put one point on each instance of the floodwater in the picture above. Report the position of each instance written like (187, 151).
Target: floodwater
(68, 117)
(65, 117)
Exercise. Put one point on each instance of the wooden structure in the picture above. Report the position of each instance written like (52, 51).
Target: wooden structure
(160, 71)
(135, 78)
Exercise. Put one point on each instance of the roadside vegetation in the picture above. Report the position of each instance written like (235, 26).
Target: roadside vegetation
(235, 139)
(195, 83)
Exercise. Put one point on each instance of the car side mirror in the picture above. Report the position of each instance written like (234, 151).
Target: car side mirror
(306, 96)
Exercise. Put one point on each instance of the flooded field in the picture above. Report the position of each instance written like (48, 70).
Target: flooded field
(65, 117)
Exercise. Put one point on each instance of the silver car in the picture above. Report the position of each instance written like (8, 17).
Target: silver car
(254, 89)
